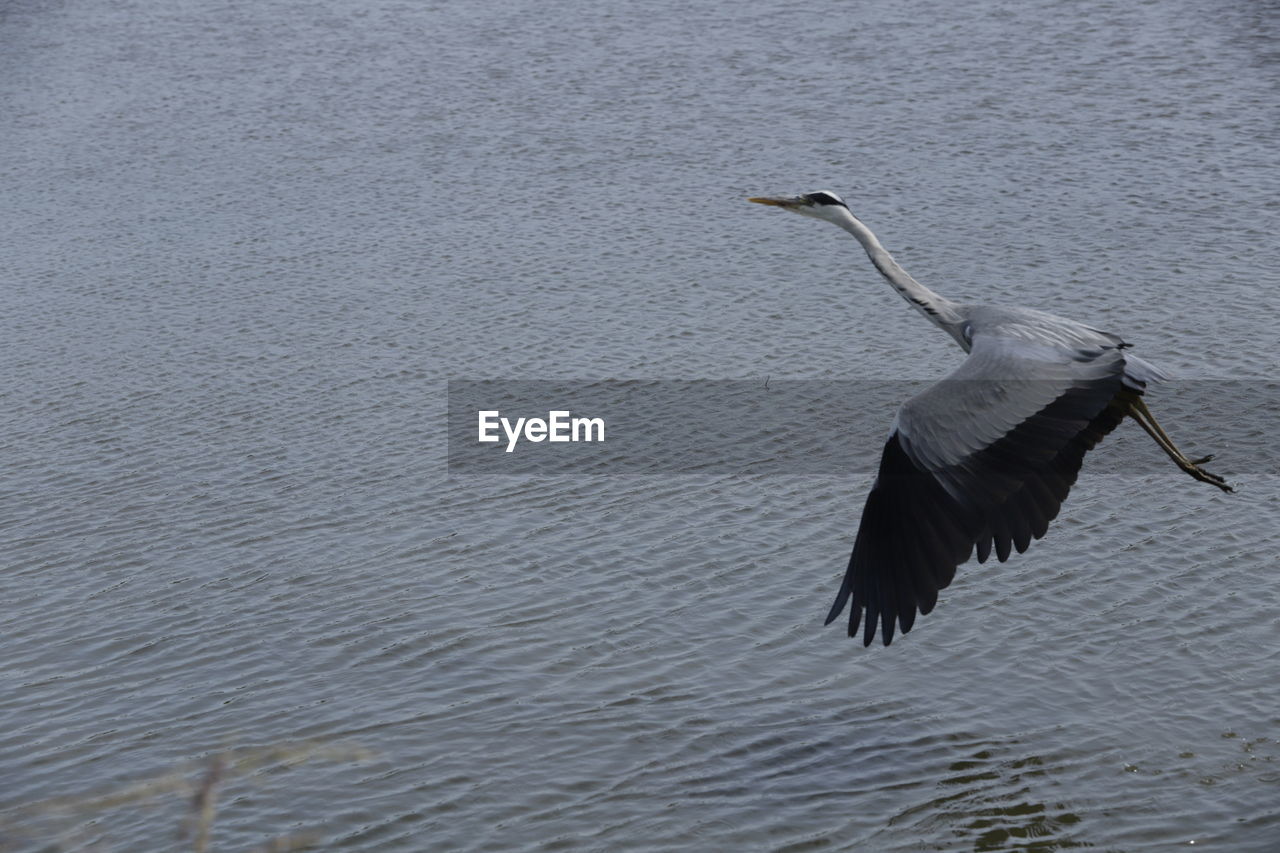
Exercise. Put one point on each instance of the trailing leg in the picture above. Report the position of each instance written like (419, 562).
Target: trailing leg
(1139, 412)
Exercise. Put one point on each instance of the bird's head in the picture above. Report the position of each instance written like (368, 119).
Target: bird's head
(820, 205)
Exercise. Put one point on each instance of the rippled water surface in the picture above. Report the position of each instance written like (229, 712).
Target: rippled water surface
(247, 245)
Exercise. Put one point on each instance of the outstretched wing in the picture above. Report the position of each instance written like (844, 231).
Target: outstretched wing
(983, 458)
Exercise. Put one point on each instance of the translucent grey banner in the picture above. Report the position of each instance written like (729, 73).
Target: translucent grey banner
(795, 427)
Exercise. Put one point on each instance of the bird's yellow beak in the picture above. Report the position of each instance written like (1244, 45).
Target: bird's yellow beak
(786, 202)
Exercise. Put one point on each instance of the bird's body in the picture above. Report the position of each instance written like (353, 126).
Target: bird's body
(984, 458)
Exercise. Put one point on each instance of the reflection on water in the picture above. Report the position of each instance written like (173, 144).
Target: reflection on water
(987, 807)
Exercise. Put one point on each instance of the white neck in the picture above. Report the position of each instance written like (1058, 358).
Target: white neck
(942, 312)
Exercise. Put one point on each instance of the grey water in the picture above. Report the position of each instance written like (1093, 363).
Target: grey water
(247, 246)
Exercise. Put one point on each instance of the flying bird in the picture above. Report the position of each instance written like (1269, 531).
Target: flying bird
(984, 458)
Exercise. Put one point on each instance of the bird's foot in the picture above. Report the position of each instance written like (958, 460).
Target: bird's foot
(1193, 468)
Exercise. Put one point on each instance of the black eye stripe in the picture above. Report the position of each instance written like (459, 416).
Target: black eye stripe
(824, 198)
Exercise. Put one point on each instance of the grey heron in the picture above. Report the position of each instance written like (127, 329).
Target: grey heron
(984, 458)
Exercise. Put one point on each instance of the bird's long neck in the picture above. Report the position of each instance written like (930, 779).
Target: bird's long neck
(941, 311)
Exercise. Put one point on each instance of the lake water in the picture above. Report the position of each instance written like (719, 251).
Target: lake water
(248, 244)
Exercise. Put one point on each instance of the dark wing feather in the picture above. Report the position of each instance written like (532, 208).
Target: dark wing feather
(940, 492)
